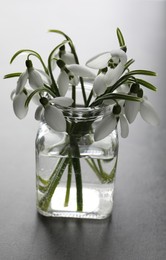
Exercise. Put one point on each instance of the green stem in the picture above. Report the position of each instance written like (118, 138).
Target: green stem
(55, 179)
(75, 153)
(74, 96)
(100, 166)
(93, 165)
(103, 176)
(83, 90)
(68, 185)
(78, 178)
(89, 98)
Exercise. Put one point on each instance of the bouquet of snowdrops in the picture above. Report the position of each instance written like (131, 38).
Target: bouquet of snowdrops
(113, 84)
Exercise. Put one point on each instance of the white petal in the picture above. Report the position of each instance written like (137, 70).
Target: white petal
(109, 102)
(148, 113)
(124, 126)
(68, 58)
(105, 127)
(131, 110)
(99, 85)
(99, 61)
(74, 80)
(112, 75)
(19, 105)
(63, 83)
(46, 77)
(38, 113)
(54, 118)
(62, 101)
(21, 82)
(35, 80)
(81, 71)
(120, 54)
(12, 95)
(123, 89)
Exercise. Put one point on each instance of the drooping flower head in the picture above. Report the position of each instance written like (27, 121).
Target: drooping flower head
(111, 65)
(20, 94)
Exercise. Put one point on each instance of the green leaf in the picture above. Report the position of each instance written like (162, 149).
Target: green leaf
(43, 181)
(127, 77)
(145, 84)
(129, 63)
(60, 32)
(12, 75)
(120, 38)
(29, 52)
(114, 96)
(142, 72)
(42, 189)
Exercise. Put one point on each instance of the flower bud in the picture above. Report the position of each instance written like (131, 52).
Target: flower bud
(104, 70)
(134, 88)
(60, 64)
(140, 93)
(62, 48)
(28, 64)
(124, 48)
(61, 51)
(44, 101)
(116, 109)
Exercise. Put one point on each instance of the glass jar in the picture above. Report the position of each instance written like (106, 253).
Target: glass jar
(75, 174)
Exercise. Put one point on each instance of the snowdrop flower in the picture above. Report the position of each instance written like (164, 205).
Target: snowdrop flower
(111, 76)
(102, 60)
(109, 123)
(20, 94)
(66, 56)
(145, 108)
(53, 116)
(33, 76)
(70, 75)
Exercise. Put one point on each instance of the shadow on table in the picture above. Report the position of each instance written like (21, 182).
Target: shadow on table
(61, 238)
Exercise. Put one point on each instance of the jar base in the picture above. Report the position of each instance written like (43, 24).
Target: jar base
(97, 203)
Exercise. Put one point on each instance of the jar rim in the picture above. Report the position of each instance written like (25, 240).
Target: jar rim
(84, 113)
(82, 108)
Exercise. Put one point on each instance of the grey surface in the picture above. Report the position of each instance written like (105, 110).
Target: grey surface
(137, 227)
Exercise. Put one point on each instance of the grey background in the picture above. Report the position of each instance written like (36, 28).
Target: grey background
(137, 228)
